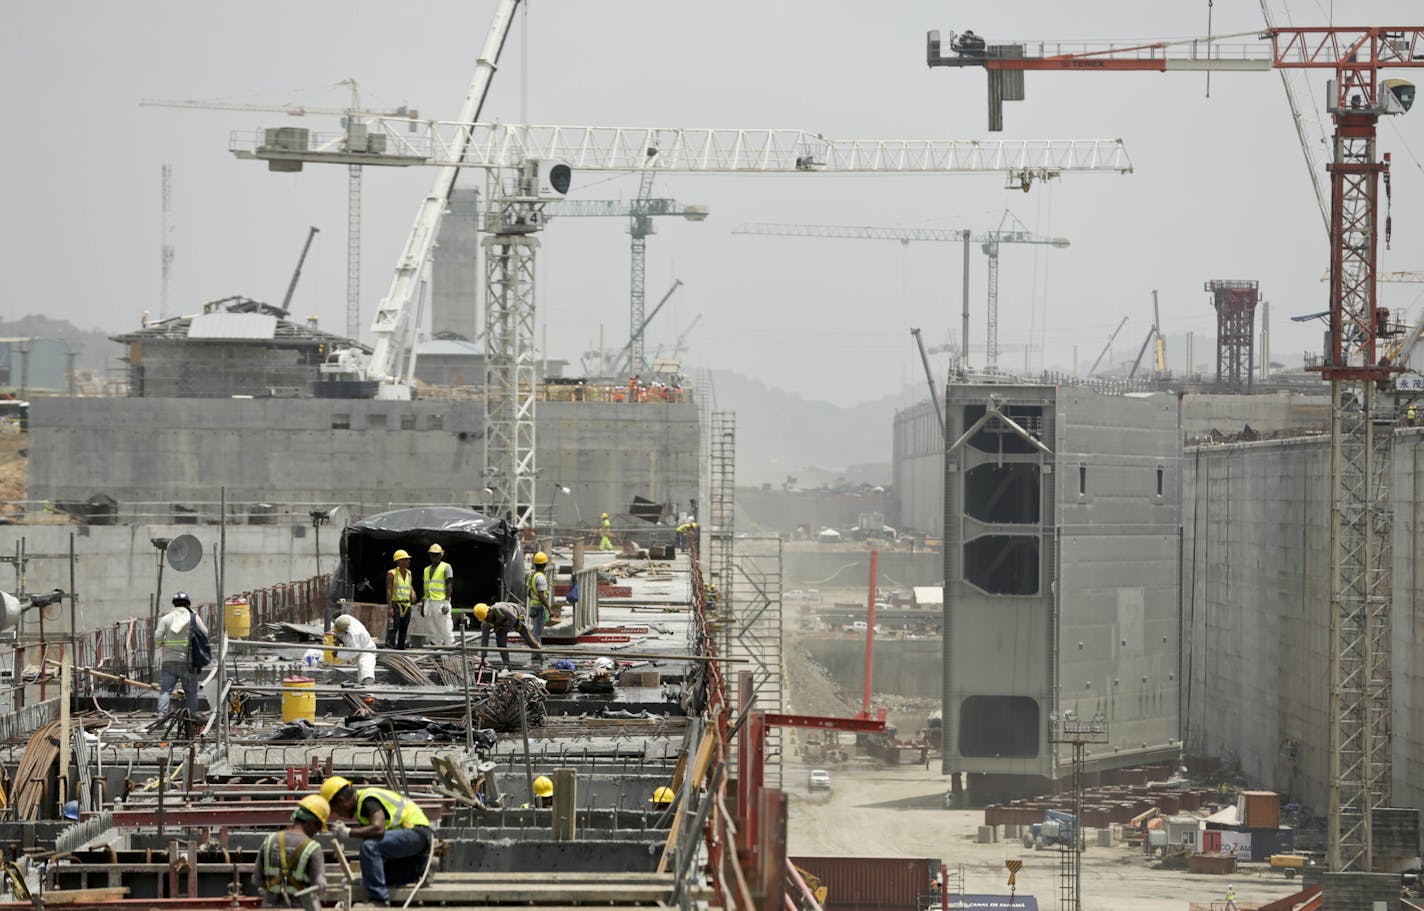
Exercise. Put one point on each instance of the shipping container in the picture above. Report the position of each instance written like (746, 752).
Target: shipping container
(1260, 809)
(874, 883)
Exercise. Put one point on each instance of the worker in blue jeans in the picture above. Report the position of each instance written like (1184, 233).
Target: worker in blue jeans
(393, 832)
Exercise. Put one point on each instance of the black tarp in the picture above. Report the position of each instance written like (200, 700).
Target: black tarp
(484, 552)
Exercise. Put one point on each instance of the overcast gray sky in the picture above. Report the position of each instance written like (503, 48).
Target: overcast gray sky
(1220, 191)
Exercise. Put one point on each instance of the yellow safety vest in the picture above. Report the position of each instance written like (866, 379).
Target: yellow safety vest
(435, 586)
(535, 599)
(401, 593)
(401, 812)
(286, 877)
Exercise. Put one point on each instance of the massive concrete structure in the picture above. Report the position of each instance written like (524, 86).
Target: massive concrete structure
(152, 455)
(1061, 589)
(1256, 593)
(455, 271)
(918, 457)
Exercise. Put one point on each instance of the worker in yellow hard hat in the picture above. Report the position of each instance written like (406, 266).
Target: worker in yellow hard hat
(543, 793)
(436, 591)
(540, 597)
(399, 593)
(686, 531)
(394, 833)
(502, 618)
(604, 529)
(289, 867)
(662, 798)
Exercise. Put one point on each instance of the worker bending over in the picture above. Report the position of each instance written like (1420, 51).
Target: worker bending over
(503, 618)
(289, 866)
(352, 633)
(390, 828)
(439, 582)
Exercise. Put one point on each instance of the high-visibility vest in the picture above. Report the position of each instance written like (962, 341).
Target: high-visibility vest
(287, 876)
(401, 812)
(532, 584)
(401, 593)
(435, 585)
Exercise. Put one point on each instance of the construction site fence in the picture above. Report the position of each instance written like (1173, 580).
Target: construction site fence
(125, 649)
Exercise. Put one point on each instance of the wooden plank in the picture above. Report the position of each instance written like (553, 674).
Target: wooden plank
(544, 876)
(441, 892)
(74, 896)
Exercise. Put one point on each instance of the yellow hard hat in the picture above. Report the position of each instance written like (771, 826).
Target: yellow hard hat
(663, 794)
(605, 515)
(481, 611)
(436, 549)
(543, 787)
(341, 623)
(333, 786)
(400, 555)
(541, 558)
(316, 805)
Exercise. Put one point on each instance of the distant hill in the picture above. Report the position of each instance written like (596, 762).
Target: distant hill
(780, 433)
(95, 349)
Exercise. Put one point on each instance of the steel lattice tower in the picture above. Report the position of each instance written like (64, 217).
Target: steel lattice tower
(1361, 460)
(510, 353)
(1235, 303)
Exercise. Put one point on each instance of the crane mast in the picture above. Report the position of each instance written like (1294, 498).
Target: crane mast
(1362, 407)
(392, 361)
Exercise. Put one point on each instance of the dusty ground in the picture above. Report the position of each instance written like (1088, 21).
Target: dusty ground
(854, 821)
(849, 822)
(14, 471)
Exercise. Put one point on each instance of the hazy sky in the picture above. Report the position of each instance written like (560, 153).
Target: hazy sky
(1220, 191)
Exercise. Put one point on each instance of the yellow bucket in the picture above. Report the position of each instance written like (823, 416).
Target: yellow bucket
(298, 699)
(237, 618)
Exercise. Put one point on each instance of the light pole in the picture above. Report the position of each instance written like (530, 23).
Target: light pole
(1068, 728)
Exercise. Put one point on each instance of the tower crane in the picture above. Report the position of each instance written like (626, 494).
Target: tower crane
(989, 242)
(1362, 420)
(524, 162)
(356, 140)
(640, 212)
(1153, 333)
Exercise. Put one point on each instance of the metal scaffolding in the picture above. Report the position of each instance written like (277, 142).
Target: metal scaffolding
(755, 635)
(721, 524)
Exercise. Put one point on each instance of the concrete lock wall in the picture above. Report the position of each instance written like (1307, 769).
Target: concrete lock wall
(373, 455)
(1061, 576)
(116, 567)
(1256, 587)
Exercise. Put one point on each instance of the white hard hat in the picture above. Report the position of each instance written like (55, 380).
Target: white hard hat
(342, 622)
(603, 664)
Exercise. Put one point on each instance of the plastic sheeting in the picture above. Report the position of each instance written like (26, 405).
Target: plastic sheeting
(484, 553)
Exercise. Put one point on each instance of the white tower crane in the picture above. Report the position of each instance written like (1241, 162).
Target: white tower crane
(356, 138)
(989, 242)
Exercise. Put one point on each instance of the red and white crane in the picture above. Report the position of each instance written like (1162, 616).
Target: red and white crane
(1362, 421)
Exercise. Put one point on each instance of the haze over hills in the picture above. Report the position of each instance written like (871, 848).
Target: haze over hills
(781, 434)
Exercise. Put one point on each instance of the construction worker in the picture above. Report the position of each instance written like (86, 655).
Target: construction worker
(399, 592)
(352, 633)
(540, 597)
(604, 528)
(1412, 415)
(543, 792)
(289, 865)
(436, 590)
(1230, 898)
(502, 618)
(685, 533)
(389, 826)
(172, 636)
(662, 798)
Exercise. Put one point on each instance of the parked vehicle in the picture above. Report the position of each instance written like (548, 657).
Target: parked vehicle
(819, 780)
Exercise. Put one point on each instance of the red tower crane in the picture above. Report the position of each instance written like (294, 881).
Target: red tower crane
(1362, 423)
